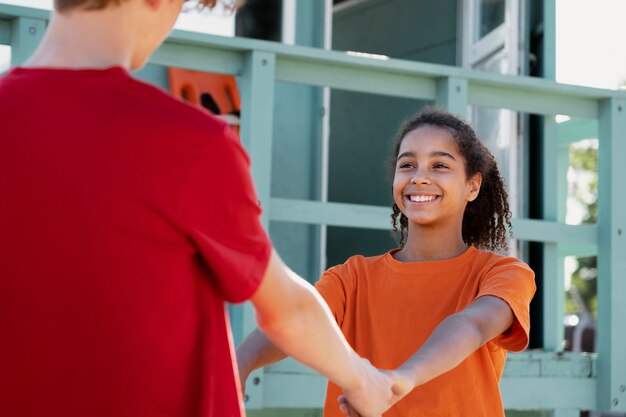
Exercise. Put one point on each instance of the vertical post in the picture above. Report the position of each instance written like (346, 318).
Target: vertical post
(549, 39)
(257, 108)
(562, 185)
(553, 285)
(313, 21)
(452, 95)
(257, 116)
(612, 256)
(299, 151)
(26, 34)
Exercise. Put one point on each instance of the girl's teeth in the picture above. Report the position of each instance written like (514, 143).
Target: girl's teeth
(421, 198)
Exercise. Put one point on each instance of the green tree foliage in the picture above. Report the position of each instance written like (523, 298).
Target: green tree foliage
(584, 160)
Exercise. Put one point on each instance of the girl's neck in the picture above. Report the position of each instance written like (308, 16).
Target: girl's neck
(430, 244)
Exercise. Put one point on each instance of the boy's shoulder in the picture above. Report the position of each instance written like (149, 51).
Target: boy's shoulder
(182, 112)
(113, 93)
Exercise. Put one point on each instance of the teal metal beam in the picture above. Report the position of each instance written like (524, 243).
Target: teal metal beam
(573, 375)
(535, 364)
(331, 214)
(553, 276)
(527, 364)
(549, 40)
(520, 93)
(26, 34)
(199, 58)
(257, 106)
(452, 95)
(310, 23)
(360, 78)
(545, 393)
(531, 101)
(575, 130)
(301, 141)
(579, 100)
(555, 232)
(289, 390)
(612, 257)
(375, 217)
(5, 32)
(578, 250)
(552, 199)
(9, 14)
(9, 11)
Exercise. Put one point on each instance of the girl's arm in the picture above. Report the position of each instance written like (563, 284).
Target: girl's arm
(256, 351)
(457, 337)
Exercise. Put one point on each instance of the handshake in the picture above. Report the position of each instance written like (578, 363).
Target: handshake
(376, 396)
(367, 391)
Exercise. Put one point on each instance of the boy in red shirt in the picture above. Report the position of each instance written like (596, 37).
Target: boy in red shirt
(127, 219)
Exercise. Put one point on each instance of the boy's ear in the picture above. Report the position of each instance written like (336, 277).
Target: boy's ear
(474, 186)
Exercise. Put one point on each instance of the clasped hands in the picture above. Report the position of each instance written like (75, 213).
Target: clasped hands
(375, 392)
(379, 391)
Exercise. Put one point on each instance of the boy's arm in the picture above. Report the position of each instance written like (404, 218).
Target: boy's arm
(297, 320)
(453, 340)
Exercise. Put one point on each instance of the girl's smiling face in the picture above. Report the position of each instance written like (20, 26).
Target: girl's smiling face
(430, 184)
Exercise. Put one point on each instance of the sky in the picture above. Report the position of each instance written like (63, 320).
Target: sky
(590, 42)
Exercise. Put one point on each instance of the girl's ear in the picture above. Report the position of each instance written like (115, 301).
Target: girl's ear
(474, 184)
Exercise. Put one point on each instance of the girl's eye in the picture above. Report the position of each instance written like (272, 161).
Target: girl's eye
(438, 166)
(405, 165)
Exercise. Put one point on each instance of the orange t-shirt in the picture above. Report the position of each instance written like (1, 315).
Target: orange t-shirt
(387, 309)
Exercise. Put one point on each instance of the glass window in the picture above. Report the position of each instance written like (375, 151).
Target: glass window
(490, 16)
(496, 126)
(5, 58)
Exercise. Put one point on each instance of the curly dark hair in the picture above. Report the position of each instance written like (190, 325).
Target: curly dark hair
(487, 218)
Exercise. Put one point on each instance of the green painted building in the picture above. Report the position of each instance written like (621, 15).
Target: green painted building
(321, 100)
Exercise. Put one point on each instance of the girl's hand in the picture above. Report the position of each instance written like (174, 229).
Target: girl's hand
(402, 384)
(346, 408)
(372, 397)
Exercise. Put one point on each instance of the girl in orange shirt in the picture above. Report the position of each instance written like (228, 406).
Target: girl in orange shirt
(442, 310)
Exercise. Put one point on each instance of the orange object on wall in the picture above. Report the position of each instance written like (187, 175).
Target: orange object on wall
(217, 93)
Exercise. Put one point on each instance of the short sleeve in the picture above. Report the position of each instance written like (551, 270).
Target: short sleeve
(514, 282)
(333, 290)
(222, 216)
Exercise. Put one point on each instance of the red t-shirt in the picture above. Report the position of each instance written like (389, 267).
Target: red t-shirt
(127, 218)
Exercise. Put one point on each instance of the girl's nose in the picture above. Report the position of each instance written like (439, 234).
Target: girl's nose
(420, 178)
